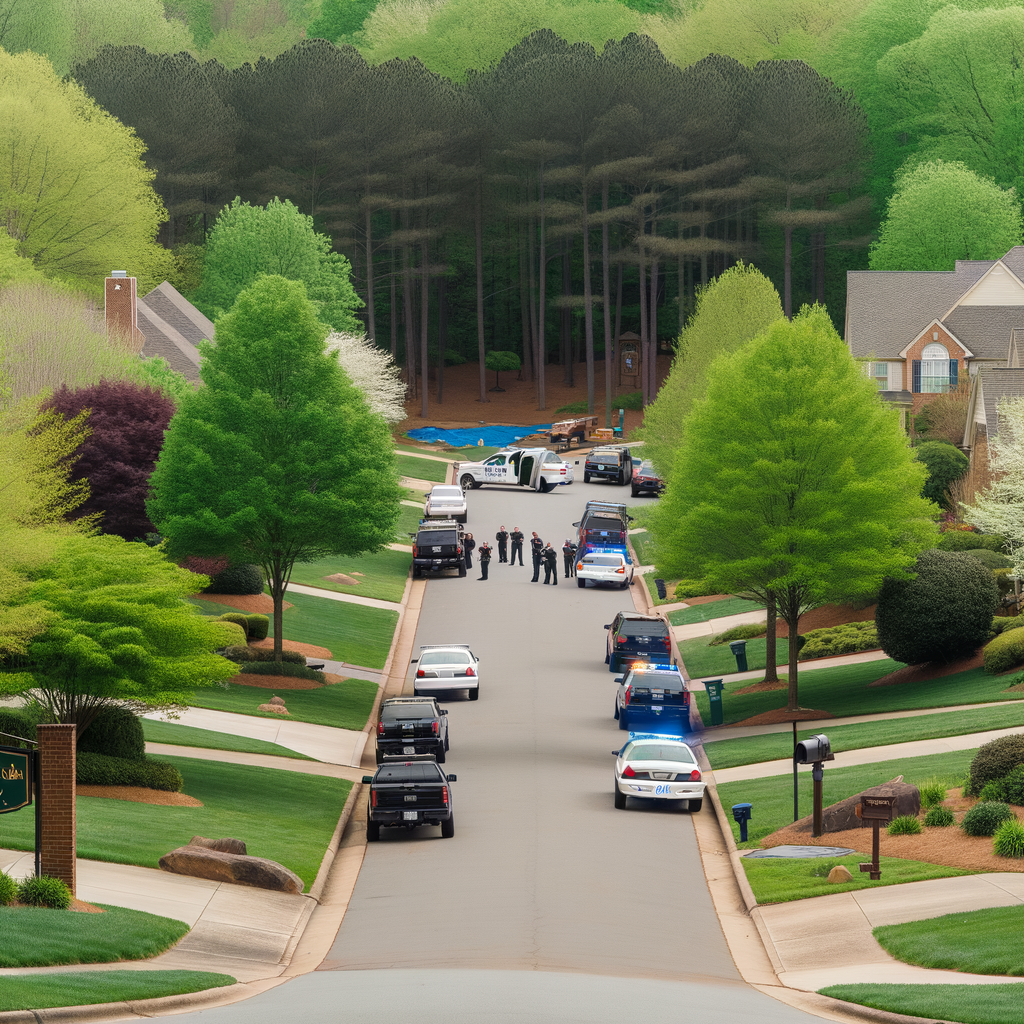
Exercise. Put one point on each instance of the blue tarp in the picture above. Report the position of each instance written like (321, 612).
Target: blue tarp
(492, 437)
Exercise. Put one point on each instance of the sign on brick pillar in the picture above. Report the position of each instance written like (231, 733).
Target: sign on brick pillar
(56, 794)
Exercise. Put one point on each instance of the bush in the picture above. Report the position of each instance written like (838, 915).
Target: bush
(1004, 623)
(259, 626)
(945, 464)
(242, 653)
(993, 791)
(1005, 652)
(983, 819)
(237, 579)
(846, 639)
(573, 408)
(632, 400)
(932, 792)
(230, 633)
(745, 631)
(942, 614)
(904, 825)
(285, 668)
(240, 619)
(8, 890)
(1008, 840)
(1012, 787)
(995, 760)
(968, 540)
(939, 817)
(1003, 581)
(115, 732)
(100, 770)
(44, 891)
(990, 559)
(15, 723)
(693, 588)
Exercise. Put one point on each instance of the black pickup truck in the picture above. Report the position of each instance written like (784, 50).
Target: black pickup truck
(406, 792)
(437, 545)
(412, 725)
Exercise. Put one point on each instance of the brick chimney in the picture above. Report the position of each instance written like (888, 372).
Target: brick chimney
(121, 311)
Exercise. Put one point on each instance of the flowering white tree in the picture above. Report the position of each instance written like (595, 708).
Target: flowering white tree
(1000, 507)
(372, 371)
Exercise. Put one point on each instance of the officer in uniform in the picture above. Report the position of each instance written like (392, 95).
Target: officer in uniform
(550, 565)
(469, 544)
(485, 560)
(517, 544)
(569, 557)
(536, 547)
(502, 538)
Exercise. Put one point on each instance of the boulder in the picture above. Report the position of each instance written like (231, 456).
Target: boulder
(220, 845)
(276, 700)
(202, 862)
(278, 709)
(843, 815)
(839, 874)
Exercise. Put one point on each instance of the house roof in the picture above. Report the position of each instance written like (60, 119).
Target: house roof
(173, 328)
(985, 330)
(991, 385)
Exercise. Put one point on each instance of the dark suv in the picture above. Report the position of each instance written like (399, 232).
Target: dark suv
(438, 545)
(635, 637)
(406, 792)
(412, 725)
(609, 462)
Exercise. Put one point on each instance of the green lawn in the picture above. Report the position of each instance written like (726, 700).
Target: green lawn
(189, 736)
(383, 574)
(408, 520)
(422, 469)
(713, 610)
(351, 632)
(473, 453)
(781, 879)
(728, 753)
(978, 942)
(969, 1004)
(209, 607)
(772, 797)
(83, 988)
(39, 937)
(344, 705)
(670, 586)
(702, 659)
(284, 816)
(643, 545)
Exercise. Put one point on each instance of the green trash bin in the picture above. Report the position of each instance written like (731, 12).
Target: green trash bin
(714, 688)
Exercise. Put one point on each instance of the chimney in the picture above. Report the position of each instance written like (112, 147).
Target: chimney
(121, 310)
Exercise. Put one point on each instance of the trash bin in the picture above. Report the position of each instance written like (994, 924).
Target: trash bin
(739, 650)
(714, 688)
(662, 592)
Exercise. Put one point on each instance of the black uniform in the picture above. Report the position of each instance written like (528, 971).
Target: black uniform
(550, 565)
(469, 544)
(569, 556)
(502, 538)
(485, 559)
(536, 547)
(517, 546)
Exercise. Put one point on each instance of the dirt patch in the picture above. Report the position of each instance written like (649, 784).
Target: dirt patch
(933, 670)
(265, 682)
(782, 715)
(345, 581)
(251, 604)
(140, 795)
(691, 601)
(828, 615)
(81, 907)
(762, 687)
(309, 650)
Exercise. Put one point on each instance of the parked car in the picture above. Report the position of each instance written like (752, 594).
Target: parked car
(412, 725)
(657, 768)
(537, 468)
(604, 567)
(653, 698)
(446, 501)
(438, 545)
(609, 462)
(443, 668)
(633, 636)
(407, 792)
(646, 480)
(603, 527)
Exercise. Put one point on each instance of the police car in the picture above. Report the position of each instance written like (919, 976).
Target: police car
(442, 668)
(653, 767)
(653, 698)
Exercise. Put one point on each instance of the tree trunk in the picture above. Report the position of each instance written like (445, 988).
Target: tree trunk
(408, 333)
(538, 366)
(541, 305)
(606, 294)
(588, 309)
(276, 581)
(524, 307)
(771, 672)
(652, 327)
(644, 342)
(394, 319)
(568, 353)
(442, 333)
(792, 617)
(618, 309)
(371, 313)
(424, 323)
(480, 340)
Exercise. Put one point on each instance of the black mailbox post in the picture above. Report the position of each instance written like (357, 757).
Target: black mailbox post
(815, 751)
(742, 813)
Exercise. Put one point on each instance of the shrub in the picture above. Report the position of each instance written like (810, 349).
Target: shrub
(100, 770)
(1004, 581)
(995, 760)
(573, 408)
(939, 817)
(231, 634)
(984, 818)
(945, 464)
(933, 793)
(8, 890)
(993, 791)
(631, 400)
(285, 668)
(693, 588)
(942, 614)
(115, 732)
(745, 631)
(1004, 623)
(15, 723)
(242, 653)
(1005, 652)
(259, 626)
(240, 619)
(990, 559)
(968, 540)
(904, 825)
(237, 579)
(1008, 840)
(846, 639)
(44, 891)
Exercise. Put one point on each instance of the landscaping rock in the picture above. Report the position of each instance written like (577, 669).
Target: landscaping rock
(839, 874)
(276, 700)
(278, 709)
(843, 815)
(220, 845)
(203, 862)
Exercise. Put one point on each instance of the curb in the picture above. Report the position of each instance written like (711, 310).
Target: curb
(317, 888)
(859, 1012)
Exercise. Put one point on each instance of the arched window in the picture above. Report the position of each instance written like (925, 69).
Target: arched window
(934, 372)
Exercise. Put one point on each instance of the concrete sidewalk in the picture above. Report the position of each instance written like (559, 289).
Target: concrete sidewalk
(333, 595)
(697, 683)
(695, 629)
(286, 764)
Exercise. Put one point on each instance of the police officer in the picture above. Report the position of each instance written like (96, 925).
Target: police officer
(502, 538)
(550, 565)
(569, 557)
(485, 560)
(469, 544)
(517, 544)
(536, 547)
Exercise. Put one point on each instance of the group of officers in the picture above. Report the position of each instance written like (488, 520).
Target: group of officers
(543, 554)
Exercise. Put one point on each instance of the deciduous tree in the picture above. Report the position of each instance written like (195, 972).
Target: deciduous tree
(372, 370)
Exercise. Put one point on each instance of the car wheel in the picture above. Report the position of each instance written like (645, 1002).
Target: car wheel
(372, 831)
(620, 799)
(462, 570)
(622, 478)
(542, 486)
(378, 757)
(624, 584)
(448, 827)
(474, 694)
(439, 753)
(586, 478)
(580, 583)
(696, 805)
(467, 482)
(615, 714)
(447, 746)
(634, 492)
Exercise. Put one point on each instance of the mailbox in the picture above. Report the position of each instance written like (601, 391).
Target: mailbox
(814, 748)
(742, 813)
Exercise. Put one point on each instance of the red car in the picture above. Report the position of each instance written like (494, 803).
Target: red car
(645, 480)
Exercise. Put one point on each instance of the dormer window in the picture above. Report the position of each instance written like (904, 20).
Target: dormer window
(935, 372)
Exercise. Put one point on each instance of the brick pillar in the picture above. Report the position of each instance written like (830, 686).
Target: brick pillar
(121, 310)
(56, 794)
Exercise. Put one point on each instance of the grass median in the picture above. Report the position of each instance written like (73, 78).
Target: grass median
(208, 739)
(422, 469)
(701, 658)
(352, 633)
(713, 610)
(968, 1004)
(381, 575)
(87, 988)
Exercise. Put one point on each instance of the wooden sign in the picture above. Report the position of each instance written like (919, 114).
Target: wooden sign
(876, 808)
(15, 778)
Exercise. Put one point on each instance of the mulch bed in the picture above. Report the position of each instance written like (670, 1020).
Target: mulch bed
(265, 682)
(309, 650)
(691, 601)
(782, 715)
(140, 795)
(251, 604)
(762, 687)
(828, 615)
(932, 670)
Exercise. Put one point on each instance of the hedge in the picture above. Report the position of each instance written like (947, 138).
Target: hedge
(995, 760)
(1005, 652)
(231, 634)
(845, 639)
(115, 732)
(693, 588)
(240, 619)
(744, 631)
(237, 579)
(15, 723)
(100, 770)
(259, 626)
(990, 559)
(967, 540)
(242, 653)
(284, 668)
(1004, 623)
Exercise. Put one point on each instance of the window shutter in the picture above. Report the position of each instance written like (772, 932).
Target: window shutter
(954, 369)
(917, 377)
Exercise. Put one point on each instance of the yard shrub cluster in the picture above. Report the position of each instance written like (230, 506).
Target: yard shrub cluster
(995, 760)
(229, 633)
(845, 639)
(44, 891)
(939, 817)
(990, 559)
(284, 668)
(1008, 840)
(904, 825)
(983, 819)
(693, 588)
(237, 579)
(1005, 652)
(1004, 623)
(932, 793)
(256, 626)
(968, 540)
(15, 723)
(241, 653)
(100, 770)
(8, 889)
(238, 618)
(744, 631)
(1009, 789)
(114, 732)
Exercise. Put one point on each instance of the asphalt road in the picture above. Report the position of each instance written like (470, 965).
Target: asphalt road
(548, 904)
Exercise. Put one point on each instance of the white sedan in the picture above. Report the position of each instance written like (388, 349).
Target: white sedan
(604, 567)
(447, 667)
(446, 501)
(657, 768)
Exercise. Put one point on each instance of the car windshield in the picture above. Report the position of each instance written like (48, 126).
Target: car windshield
(603, 560)
(642, 627)
(436, 537)
(423, 771)
(599, 456)
(444, 658)
(654, 751)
